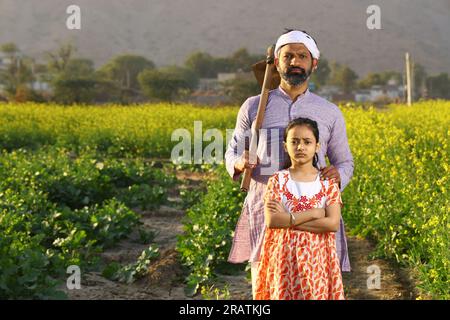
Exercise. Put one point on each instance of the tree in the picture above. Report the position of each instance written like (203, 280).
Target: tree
(17, 74)
(73, 79)
(322, 74)
(371, 79)
(123, 72)
(420, 78)
(240, 89)
(10, 49)
(242, 60)
(386, 76)
(203, 64)
(439, 86)
(76, 83)
(207, 66)
(58, 60)
(168, 83)
(380, 79)
(343, 77)
(223, 65)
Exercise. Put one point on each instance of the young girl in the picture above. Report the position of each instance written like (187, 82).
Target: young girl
(302, 212)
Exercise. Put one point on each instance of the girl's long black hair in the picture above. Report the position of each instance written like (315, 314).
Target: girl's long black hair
(314, 128)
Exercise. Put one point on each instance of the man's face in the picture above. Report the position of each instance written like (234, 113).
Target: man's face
(294, 63)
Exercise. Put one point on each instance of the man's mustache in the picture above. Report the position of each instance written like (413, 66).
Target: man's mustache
(291, 69)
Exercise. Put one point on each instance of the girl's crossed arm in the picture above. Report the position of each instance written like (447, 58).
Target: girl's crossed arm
(329, 223)
(276, 216)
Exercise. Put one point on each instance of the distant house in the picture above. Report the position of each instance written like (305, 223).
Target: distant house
(390, 92)
(4, 61)
(208, 84)
(334, 93)
(41, 82)
(376, 92)
(222, 77)
(340, 97)
(41, 77)
(362, 95)
(208, 98)
(394, 92)
(38, 85)
(210, 90)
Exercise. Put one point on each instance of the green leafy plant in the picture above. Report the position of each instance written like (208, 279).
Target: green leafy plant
(209, 226)
(214, 293)
(131, 272)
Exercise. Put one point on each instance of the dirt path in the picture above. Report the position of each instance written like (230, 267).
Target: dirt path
(165, 279)
(166, 275)
(395, 283)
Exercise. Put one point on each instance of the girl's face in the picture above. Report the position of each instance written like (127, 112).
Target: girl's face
(301, 145)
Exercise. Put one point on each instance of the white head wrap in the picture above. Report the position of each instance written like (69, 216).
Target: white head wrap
(298, 37)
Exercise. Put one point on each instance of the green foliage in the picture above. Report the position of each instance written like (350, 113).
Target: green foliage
(76, 83)
(58, 60)
(146, 236)
(213, 293)
(241, 60)
(202, 63)
(58, 209)
(39, 240)
(73, 79)
(24, 263)
(399, 192)
(124, 69)
(132, 272)
(439, 86)
(321, 76)
(208, 230)
(87, 178)
(190, 197)
(343, 77)
(71, 91)
(132, 131)
(419, 81)
(381, 78)
(168, 83)
(207, 66)
(240, 89)
(398, 195)
(122, 72)
(17, 74)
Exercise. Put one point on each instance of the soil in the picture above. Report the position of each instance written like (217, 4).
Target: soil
(165, 279)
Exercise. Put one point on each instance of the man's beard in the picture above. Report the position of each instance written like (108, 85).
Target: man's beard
(296, 79)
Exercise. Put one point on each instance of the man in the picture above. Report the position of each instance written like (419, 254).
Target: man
(296, 57)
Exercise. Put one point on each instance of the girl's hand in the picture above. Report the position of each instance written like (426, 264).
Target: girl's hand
(275, 215)
(318, 213)
(275, 207)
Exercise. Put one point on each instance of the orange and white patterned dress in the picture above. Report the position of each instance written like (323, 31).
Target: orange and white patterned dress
(295, 264)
